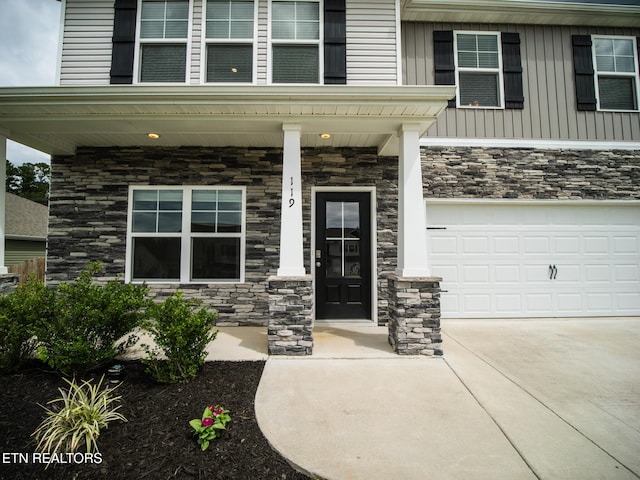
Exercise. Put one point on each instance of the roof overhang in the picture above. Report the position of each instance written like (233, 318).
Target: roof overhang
(58, 120)
(540, 12)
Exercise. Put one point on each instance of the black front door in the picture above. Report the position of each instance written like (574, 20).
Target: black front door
(343, 255)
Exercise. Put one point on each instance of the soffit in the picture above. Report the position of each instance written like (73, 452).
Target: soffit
(57, 120)
(523, 12)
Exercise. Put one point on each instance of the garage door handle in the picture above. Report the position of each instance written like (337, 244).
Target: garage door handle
(553, 272)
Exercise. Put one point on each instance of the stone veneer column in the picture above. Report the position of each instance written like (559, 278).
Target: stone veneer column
(290, 330)
(414, 315)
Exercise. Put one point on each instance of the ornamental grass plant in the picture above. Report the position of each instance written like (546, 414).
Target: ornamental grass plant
(77, 417)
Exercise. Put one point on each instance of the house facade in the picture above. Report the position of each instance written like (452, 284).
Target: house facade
(385, 162)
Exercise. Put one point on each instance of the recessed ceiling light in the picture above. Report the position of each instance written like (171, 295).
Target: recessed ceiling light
(234, 70)
(325, 136)
(153, 136)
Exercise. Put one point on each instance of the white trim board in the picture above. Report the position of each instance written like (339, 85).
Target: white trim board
(527, 143)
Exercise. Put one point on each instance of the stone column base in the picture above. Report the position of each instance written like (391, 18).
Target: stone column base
(290, 330)
(414, 315)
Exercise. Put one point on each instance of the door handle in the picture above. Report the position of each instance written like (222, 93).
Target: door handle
(318, 264)
(553, 272)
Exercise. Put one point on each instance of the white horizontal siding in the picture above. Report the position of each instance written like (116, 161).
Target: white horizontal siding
(86, 42)
(196, 43)
(371, 42)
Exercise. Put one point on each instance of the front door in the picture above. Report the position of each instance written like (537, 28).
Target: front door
(343, 255)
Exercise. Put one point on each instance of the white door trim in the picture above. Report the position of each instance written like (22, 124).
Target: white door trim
(374, 256)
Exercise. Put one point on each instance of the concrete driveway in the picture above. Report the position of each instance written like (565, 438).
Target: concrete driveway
(510, 399)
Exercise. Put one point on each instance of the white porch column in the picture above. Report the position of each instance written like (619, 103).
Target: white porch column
(291, 243)
(3, 177)
(412, 225)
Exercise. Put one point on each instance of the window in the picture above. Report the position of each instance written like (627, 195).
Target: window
(295, 39)
(164, 31)
(186, 234)
(229, 37)
(478, 69)
(616, 73)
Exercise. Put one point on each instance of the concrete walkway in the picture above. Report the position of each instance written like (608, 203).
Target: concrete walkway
(526, 399)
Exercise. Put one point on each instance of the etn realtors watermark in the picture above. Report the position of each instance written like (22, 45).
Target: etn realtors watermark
(48, 458)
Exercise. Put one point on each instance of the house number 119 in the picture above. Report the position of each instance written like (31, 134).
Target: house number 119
(291, 200)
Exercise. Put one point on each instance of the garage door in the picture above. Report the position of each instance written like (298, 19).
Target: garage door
(536, 259)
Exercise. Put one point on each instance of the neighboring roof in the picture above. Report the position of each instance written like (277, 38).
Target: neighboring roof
(604, 13)
(57, 120)
(24, 219)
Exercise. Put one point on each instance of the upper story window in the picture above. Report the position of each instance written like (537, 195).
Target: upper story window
(229, 39)
(478, 69)
(295, 41)
(186, 234)
(616, 66)
(164, 33)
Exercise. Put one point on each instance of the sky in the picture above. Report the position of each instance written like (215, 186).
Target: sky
(28, 54)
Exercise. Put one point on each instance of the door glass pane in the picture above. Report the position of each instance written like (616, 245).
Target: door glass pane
(334, 258)
(352, 258)
(334, 219)
(351, 213)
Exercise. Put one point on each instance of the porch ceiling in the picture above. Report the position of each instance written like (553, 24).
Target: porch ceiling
(57, 120)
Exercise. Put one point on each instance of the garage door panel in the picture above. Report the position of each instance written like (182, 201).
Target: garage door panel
(475, 245)
(508, 304)
(507, 274)
(567, 273)
(475, 274)
(625, 245)
(444, 245)
(597, 273)
(596, 245)
(505, 266)
(537, 245)
(628, 302)
(506, 245)
(479, 304)
(626, 273)
(540, 303)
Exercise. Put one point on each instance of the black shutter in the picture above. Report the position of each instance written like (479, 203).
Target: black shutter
(124, 41)
(335, 42)
(512, 71)
(444, 65)
(583, 72)
(638, 48)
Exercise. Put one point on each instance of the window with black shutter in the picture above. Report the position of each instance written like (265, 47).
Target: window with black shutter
(485, 66)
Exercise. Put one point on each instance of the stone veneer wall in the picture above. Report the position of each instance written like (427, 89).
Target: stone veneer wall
(89, 201)
(478, 172)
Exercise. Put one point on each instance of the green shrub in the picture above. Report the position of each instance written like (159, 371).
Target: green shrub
(91, 323)
(76, 418)
(30, 304)
(181, 334)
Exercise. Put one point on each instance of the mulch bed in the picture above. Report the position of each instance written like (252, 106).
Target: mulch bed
(157, 441)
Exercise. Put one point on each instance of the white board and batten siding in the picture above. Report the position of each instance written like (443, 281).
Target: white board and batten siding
(536, 259)
(87, 42)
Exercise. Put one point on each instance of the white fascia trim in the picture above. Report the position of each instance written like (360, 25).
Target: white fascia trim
(528, 201)
(528, 143)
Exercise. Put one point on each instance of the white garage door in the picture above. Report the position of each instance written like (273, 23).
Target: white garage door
(535, 259)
